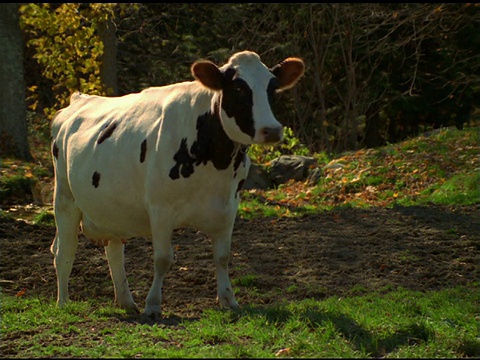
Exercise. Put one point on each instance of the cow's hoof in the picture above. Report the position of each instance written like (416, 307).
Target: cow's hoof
(133, 310)
(151, 318)
(130, 307)
(228, 303)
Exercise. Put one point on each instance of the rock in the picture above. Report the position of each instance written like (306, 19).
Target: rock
(281, 170)
(257, 178)
(335, 165)
(314, 176)
(287, 167)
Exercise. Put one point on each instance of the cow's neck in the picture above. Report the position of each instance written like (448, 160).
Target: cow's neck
(211, 145)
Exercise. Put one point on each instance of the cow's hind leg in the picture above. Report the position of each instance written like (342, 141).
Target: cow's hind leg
(116, 260)
(64, 246)
(162, 261)
(221, 256)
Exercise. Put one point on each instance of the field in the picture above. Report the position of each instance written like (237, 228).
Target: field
(380, 281)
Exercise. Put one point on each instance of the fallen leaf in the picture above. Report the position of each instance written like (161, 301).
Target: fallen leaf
(21, 292)
(282, 352)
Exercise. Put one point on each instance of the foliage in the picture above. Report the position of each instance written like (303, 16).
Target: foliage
(18, 180)
(23, 182)
(44, 217)
(158, 42)
(63, 40)
(376, 72)
(290, 145)
(398, 323)
(16, 186)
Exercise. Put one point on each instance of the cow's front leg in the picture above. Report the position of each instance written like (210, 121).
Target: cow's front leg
(116, 261)
(162, 261)
(221, 256)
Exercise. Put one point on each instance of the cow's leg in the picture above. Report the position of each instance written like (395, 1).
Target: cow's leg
(162, 261)
(64, 246)
(221, 254)
(116, 260)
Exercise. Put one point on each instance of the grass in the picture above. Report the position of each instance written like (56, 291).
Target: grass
(44, 217)
(400, 323)
(443, 168)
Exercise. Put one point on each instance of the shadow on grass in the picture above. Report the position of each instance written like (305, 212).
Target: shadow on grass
(169, 320)
(374, 345)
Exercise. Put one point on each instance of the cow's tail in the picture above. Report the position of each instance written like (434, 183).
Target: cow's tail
(57, 118)
(75, 96)
(56, 123)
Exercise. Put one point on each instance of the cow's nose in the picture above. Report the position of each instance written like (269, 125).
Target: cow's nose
(272, 134)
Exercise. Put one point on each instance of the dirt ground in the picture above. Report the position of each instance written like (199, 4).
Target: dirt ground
(336, 253)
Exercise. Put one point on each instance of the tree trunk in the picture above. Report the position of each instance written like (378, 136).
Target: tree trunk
(13, 109)
(108, 68)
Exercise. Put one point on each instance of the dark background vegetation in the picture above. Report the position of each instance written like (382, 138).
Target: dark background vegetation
(376, 73)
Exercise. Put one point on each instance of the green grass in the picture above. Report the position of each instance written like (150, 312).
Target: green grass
(399, 323)
(443, 168)
(247, 280)
(44, 217)
(462, 189)
(15, 185)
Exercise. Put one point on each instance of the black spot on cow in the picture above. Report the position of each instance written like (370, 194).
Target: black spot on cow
(106, 133)
(239, 186)
(212, 144)
(237, 102)
(271, 90)
(240, 157)
(95, 179)
(55, 150)
(143, 150)
(184, 162)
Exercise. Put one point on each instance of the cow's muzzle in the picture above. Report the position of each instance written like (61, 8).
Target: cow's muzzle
(271, 134)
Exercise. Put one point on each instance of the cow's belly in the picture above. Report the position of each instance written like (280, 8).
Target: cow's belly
(211, 215)
(207, 200)
(123, 221)
(115, 208)
(107, 218)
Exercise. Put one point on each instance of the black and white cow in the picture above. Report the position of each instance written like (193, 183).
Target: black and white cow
(144, 164)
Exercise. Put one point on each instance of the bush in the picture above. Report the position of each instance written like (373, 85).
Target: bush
(290, 145)
(16, 186)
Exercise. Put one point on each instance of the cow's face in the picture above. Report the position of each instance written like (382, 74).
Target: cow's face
(245, 87)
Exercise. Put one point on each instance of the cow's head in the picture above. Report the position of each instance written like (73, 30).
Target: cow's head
(245, 87)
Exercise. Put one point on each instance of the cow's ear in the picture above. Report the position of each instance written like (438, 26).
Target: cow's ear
(288, 72)
(208, 74)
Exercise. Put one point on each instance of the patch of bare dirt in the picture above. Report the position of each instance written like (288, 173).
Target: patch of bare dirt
(336, 253)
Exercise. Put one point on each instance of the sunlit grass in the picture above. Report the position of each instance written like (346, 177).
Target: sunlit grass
(393, 323)
(443, 168)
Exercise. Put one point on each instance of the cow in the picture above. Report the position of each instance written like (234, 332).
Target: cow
(167, 157)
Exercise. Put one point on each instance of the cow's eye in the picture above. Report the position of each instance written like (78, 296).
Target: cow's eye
(238, 89)
(241, 92)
